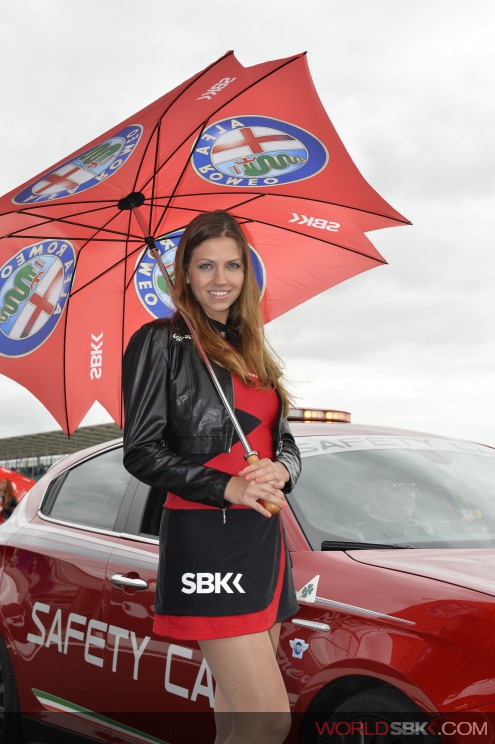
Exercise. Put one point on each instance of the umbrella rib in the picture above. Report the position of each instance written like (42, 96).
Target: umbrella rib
(65, 372)
(67, 221)
(56, 205)
(82, 238)
(344, 206)
(132, 253)
(177, 183)
(204, 211)
(109, 268)
(197, 77)
(247, 220)
(102, 206)
(153, 186)
(291, 196)
(103, 228)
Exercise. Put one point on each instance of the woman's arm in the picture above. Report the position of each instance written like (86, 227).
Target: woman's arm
(289, 456)
(146, 454)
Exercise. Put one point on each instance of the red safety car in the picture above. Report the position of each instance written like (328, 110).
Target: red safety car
(392, 541)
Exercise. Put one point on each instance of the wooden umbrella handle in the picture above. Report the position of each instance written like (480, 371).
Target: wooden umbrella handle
(272, 508)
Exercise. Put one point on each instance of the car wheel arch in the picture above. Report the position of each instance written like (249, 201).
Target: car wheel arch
(335, 693)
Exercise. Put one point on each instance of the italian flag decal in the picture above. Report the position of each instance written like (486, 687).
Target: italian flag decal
(59, 705)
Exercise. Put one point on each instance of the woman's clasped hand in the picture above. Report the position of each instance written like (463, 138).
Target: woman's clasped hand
(262, 480)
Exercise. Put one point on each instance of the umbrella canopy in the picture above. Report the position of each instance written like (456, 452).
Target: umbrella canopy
(21, 483)
(76, 277)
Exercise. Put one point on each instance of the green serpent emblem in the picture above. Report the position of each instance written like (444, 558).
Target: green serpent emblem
(99, 154)
(18, 293)
(263, 164)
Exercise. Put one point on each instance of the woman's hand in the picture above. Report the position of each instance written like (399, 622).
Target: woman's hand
(246, 492)
(266, 471)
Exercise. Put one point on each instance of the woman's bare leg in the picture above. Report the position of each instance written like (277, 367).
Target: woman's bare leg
(251, 688)
(223, 717)
(223, 714)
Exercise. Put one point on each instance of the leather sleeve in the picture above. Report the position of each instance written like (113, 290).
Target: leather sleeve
(288, 454)
(146, 454)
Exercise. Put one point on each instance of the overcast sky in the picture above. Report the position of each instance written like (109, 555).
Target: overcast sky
(409, 86)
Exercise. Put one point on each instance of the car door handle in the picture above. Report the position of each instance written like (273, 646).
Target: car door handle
(126, 581)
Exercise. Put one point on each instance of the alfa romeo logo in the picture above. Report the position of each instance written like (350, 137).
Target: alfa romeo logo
(254, 151)
(34, 285)
(85, 171)
(151, 287)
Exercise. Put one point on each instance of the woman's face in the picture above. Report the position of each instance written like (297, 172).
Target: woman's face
(3, 483)
(216, 275)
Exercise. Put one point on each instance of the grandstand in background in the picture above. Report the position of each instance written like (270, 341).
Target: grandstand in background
(34, 454)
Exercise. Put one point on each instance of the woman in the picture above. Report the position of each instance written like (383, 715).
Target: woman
(8, 501)
(224, 575)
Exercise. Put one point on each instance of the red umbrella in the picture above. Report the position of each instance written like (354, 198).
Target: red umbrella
(77, 278)
(21, 483)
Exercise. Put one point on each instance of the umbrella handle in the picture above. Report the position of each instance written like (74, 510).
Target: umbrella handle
(272, 508)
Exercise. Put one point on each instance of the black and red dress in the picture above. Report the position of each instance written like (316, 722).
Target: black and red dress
(223, 569)
(225, 572)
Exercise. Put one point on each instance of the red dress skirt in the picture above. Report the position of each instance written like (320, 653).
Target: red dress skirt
(225, 573)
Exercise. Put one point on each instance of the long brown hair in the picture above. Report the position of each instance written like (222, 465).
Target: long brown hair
(253, 354)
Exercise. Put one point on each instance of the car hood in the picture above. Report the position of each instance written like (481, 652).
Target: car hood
(472, 569)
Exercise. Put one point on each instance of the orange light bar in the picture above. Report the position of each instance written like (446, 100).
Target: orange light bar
(319, 414)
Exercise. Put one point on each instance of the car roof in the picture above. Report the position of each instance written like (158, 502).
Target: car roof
(301, 429)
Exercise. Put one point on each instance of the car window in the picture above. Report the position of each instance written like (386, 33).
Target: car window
(90, 493)
(398, 490)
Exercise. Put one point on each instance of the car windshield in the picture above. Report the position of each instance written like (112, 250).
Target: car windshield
(420, 492)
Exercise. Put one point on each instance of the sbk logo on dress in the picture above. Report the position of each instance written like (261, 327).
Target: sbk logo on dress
(209, 583)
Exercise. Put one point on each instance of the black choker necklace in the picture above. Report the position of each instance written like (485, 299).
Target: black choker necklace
(225, 329)
(222, 327)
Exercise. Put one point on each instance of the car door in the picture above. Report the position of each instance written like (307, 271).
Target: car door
(61, 559)
(152, 682)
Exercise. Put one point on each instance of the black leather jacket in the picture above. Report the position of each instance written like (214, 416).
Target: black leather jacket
(164, 422)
